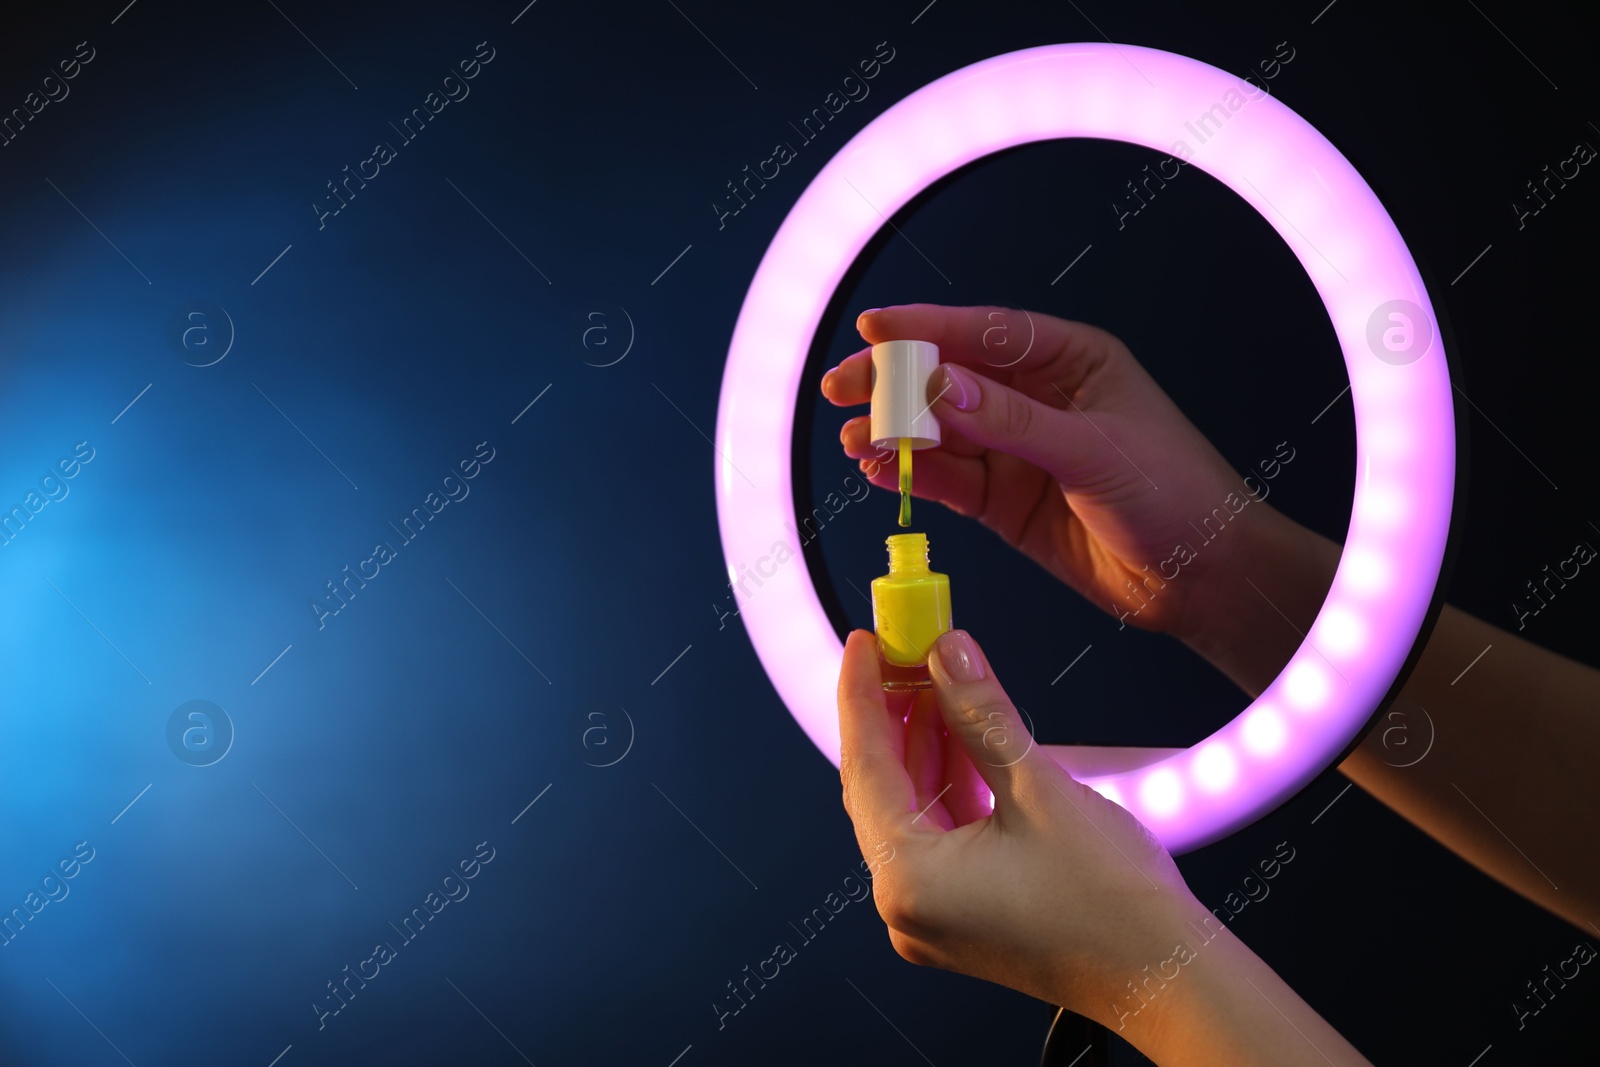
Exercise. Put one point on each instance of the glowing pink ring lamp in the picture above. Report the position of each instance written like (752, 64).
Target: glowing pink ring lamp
(1330, 218)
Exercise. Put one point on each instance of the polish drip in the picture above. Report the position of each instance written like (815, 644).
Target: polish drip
(905, 481)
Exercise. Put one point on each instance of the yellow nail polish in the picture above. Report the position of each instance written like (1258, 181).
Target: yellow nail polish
(905, 481)
(910, 609)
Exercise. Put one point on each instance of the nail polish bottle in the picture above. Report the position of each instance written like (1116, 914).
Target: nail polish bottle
(910, 609)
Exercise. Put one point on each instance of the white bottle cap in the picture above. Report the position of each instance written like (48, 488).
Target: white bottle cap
(900, 408)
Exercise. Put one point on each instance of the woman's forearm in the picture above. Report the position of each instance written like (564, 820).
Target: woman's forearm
(1211, 1002)
(1251, 613)
(1508, 781)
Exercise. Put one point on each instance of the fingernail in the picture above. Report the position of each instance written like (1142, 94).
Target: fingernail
(829, 373)
(869, 311)
(955, 385)
(956, 657)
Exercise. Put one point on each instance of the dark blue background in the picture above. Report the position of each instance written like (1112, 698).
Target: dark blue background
(421, 720)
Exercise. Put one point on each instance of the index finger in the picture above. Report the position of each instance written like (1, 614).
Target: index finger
(878, 794)
(998, 342)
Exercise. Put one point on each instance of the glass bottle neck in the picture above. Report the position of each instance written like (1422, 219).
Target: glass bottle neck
(908, 555)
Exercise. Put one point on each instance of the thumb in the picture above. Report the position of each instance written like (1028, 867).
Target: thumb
(1063, 442)
(982, 718)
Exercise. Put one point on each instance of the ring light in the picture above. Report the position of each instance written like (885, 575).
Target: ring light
(1343, 238)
